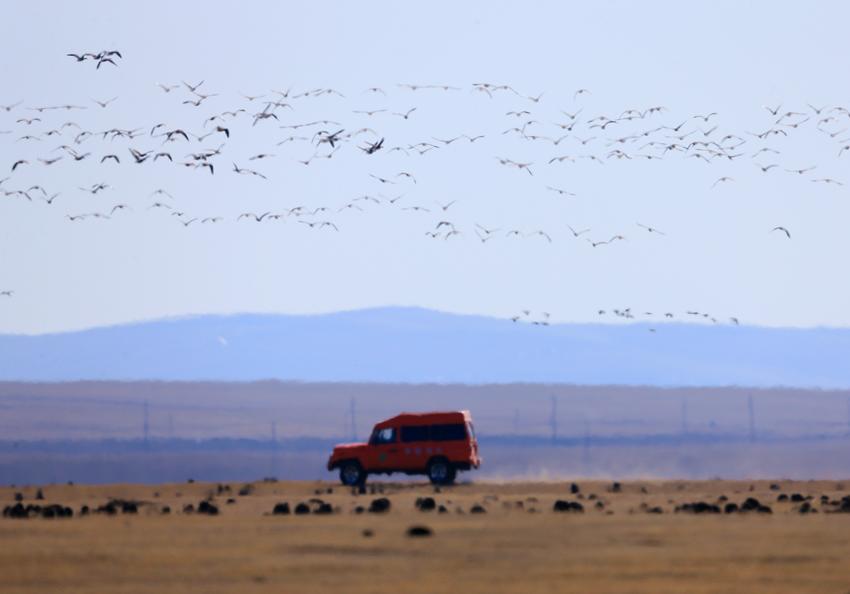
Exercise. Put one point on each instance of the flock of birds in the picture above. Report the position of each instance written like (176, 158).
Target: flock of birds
(51, 138)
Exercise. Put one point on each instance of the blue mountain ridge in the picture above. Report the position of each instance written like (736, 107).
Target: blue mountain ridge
(414, 345)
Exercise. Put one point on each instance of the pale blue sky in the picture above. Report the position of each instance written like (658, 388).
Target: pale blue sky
(718, 255)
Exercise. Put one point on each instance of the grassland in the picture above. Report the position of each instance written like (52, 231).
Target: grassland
(519, 545)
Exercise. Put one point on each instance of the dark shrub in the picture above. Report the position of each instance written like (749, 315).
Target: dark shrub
(208, 508)
(419, 531)
(425, 503)
(380, 505)
(567, 506)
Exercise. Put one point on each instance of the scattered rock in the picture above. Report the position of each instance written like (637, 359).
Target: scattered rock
(301, 509)
(574, 488)
(477, 509)
(281, 509)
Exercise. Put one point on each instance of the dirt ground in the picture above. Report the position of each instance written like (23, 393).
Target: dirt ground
(518, 544)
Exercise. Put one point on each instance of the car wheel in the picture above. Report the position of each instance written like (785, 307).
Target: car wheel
(439, 472)
(351, 474)
(452, 476)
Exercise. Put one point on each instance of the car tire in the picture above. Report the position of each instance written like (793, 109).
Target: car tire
(452, 476)
(440, 472)
(351, 474)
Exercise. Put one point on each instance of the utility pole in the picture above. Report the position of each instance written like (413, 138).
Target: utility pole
(553, 420)
(752, 412)
(848, 416)
(273, 465)
(146, 424)
(353, 413)
(585, 450)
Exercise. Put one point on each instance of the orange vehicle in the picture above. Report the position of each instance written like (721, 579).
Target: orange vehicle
(437, 444)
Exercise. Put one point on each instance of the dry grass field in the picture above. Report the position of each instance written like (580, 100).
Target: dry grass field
(519, 544)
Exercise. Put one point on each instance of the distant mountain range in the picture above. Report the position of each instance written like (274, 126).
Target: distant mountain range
(412, 345)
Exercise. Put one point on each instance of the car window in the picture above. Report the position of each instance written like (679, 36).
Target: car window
(380, 436)
(448, 432)
(415, 433)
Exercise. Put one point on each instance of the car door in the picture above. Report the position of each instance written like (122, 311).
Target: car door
(384, 450)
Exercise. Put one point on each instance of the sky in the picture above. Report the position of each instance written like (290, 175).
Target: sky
(717, 254)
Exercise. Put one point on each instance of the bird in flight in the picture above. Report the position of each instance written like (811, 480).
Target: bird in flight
(560, 191)
(782, 229)
(372, 147)
(251, 215)
(406, 114)
(104, 104)
(244, 171)
(577, 233)
(650, 229)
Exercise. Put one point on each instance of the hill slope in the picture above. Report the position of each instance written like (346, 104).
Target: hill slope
(417, 345)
